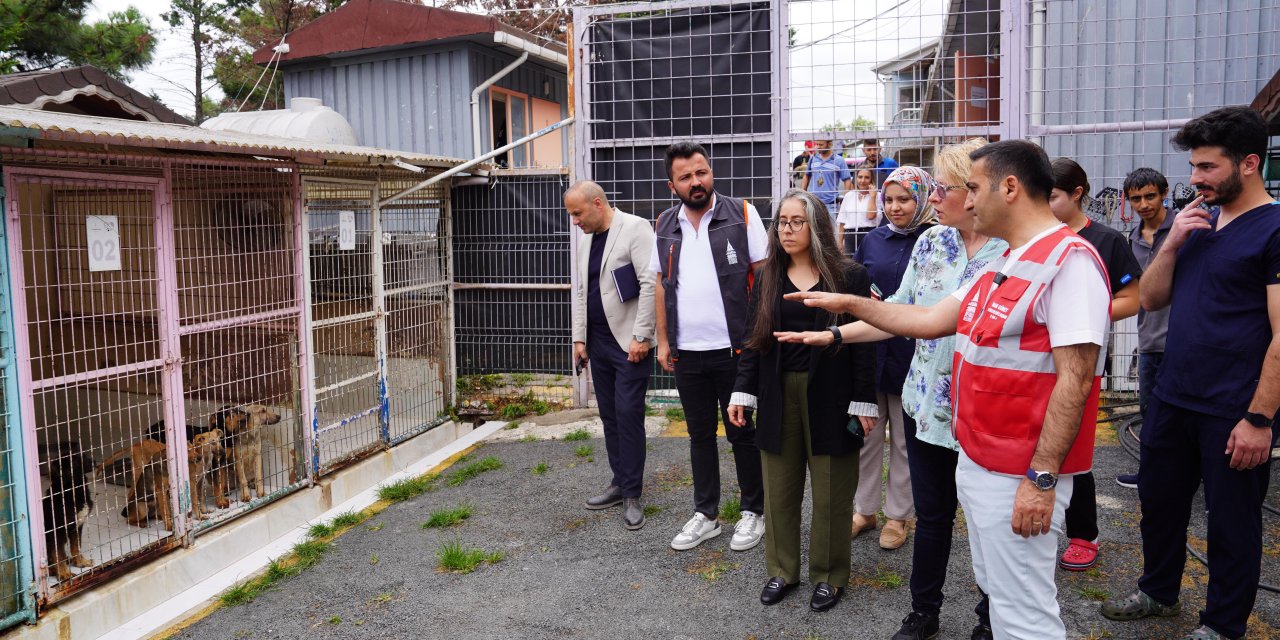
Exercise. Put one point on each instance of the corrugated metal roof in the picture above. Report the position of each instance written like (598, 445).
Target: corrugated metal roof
(32, 88)
(49, 125)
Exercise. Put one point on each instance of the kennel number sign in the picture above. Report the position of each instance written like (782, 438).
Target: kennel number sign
(346, 231)
(104, 243)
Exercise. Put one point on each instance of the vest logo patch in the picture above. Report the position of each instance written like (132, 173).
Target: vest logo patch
(971, 310)
(730, 255)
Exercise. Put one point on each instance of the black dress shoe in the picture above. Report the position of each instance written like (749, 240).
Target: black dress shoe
(824, 597)
(982, 632)
(632, 513)
(610, 498)
(775, 590)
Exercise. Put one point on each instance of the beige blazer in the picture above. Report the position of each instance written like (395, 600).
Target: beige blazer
(630, 241)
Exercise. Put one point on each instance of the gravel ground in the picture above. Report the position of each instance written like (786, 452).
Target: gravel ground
(569, 572)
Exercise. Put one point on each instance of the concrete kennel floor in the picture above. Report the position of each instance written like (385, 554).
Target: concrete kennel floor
(569, 572)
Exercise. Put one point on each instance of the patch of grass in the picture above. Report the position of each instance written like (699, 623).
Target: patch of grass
(675, 414)
(448, 517)
(308, 553)
(888, 578)
(511, 425)
(278, 570)
(1093, 593)
(384, 597)
(474, 469)
(540, 468)
(521, 379)
(407, 488)
(731, 511)
(1098, 634)
(576, 435)
(711, 566)
(650, 410)
(335, 620)
(239, 593)
(373, 559)
(453, 557)
(513, 411)
(652, 510)
(540, 407)
(347, 519)
(375, 527)
(583, 451)
(529, 437)
(319, 530)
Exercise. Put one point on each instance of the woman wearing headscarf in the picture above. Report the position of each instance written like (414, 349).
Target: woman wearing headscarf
(805, 400)
(886, 252)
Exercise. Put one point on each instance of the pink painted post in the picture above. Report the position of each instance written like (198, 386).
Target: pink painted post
(307, 410)
(175, 408)
(27, 402)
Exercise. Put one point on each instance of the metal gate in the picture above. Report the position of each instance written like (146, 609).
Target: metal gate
(347, 319)
(94, 340)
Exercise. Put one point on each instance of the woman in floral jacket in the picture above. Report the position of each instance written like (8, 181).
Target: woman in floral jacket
(944, 257)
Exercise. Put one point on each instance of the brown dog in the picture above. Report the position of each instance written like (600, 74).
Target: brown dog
(202, 455)
(149, 490)
(244, 430)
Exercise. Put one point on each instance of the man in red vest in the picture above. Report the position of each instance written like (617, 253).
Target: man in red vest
(1025, 380)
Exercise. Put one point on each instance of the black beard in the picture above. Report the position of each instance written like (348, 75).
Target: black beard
(1228, 190)
(692, 204)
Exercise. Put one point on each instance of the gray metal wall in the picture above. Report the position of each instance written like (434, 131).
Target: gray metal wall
(419, 99)
(1148, 60)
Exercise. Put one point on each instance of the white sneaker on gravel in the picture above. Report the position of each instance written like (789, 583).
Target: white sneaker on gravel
(695, 531)
(748, 532)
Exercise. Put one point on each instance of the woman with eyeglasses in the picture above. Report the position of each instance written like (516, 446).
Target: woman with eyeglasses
(944, 258)
(806, 399)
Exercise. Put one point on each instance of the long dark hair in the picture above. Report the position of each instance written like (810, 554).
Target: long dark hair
(832, 266)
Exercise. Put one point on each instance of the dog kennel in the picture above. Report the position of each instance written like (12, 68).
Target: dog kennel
(200, 327)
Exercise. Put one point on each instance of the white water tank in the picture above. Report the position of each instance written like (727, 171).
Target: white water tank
(305, 119)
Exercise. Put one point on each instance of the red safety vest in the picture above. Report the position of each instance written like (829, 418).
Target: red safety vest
(1003, 370)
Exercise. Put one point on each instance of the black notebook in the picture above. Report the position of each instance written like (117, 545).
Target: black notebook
(625, 280)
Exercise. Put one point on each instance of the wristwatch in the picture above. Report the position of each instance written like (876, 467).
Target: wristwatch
(641, 339)
(835, 331)
(1043, 480)
(1258, 420)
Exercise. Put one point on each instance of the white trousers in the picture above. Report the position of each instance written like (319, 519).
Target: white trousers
(1017, 573)
(898, 503)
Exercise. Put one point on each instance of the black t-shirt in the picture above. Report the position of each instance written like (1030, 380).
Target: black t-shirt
(1122, 267)
(597, 323)
(795, 317)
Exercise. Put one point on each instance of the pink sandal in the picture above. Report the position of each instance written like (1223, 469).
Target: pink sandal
(1079, 555)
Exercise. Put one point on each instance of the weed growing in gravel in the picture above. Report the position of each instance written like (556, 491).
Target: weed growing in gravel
(347, 519)
(652, 510)
(401, 490)
(888, 578)
(277, 570)
(319, 530)
(583, 451)
(373, 559)
(1098, 634)
(384, 597)
(448, 517)
(375, 527)
(711, 566)
(577, 434)
(650, 410)
(540, 468)
(528, 437)
(731, 510)
(474, 469)
(1093, 593)
(335, 620)
(675, 414)
(511, 425)
(308, 553)
(240, 593)
(454, 557)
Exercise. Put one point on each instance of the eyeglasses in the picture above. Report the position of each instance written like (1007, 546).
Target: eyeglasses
(794, 225)
(941, 190)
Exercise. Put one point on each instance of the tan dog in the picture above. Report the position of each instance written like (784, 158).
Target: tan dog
(244, 430)
(149, 490)
(202, 456)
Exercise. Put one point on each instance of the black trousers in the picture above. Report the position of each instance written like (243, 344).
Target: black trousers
(1081, 518)
(1179, 448)
(933, 487)
(704, 380)
(620, 387)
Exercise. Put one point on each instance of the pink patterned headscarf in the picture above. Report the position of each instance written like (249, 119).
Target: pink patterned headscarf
(919, 184)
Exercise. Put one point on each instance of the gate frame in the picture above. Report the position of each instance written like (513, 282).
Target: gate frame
(169, 364)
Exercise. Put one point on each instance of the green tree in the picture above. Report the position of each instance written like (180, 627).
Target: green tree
(253, 27)
(208, 23)
(41, 34)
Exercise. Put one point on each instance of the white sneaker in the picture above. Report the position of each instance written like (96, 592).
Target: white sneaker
(697, 529)
(748, 532)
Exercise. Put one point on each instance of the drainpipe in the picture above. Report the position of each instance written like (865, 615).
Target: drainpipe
(476, 160)
(475, 99)
(1039, 14)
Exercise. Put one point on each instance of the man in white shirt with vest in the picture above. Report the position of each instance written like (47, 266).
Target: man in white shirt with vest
(1025, 385)
(708, 248)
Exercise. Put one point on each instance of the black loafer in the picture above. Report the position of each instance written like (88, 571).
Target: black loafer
(775, 590)
(982, 632)
(632, 513)
(824, 597)
(611, 497)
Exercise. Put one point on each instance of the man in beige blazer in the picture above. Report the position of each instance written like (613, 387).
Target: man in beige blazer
(613, 329)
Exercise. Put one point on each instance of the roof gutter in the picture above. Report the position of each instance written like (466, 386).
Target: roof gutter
(538, 51)
(475, 98)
